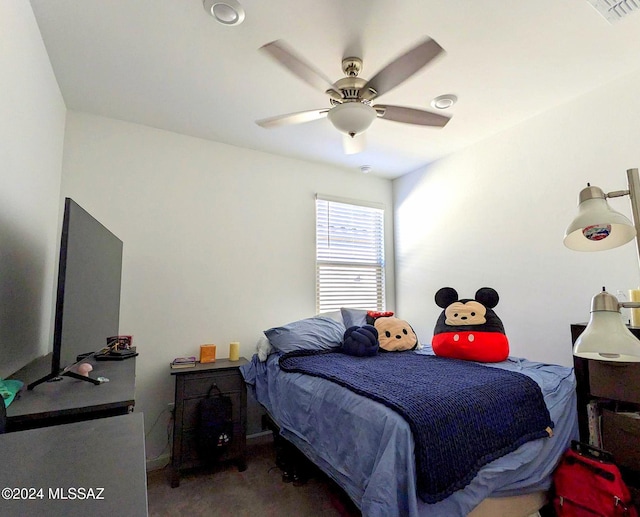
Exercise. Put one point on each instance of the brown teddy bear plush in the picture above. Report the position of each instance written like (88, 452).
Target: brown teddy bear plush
(394, 334)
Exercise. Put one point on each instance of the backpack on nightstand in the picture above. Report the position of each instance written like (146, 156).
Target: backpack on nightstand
(215, 425)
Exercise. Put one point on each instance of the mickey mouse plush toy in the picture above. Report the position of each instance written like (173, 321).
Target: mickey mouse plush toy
(469, 329)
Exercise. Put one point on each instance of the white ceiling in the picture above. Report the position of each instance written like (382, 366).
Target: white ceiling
(168, 64)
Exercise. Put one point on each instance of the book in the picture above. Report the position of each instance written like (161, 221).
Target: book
(183, 362)
(182, 365)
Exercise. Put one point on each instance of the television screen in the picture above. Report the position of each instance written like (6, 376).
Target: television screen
(88, 292)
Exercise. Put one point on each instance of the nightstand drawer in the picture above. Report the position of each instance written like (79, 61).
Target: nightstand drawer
(199, 384)
(621, 437)
(616, 381)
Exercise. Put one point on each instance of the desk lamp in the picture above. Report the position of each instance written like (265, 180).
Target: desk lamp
(597, 227)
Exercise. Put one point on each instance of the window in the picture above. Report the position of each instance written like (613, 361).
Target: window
(349, 255)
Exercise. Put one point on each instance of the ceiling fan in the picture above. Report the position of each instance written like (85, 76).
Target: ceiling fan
(352, 110)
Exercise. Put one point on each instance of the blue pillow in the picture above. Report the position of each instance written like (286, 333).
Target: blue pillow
(317, 333)
(354, 317)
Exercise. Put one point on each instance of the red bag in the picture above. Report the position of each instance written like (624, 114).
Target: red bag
(588, 484)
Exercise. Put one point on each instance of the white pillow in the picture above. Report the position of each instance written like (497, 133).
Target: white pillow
(264, 348)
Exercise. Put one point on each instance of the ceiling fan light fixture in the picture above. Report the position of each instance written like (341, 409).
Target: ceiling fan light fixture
(352, 118)
(443, 102)
(226, 12)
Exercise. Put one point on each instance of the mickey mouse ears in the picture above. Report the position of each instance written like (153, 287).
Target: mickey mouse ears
(487, 296)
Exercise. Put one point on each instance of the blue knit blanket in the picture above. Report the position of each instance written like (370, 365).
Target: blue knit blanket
(462, 415)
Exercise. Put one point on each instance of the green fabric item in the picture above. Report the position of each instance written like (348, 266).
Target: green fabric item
(9, 389)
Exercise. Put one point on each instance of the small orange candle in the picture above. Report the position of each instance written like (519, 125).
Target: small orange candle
(207, 353)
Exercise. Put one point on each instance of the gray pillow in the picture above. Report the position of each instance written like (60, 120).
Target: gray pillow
(317, 333)
(354, 317)
(334, 315)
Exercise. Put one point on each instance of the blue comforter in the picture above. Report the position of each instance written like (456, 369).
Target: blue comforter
(368, 449)
(471, 416)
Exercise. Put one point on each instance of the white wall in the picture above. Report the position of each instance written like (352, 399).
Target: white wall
(219, 242)
(31, 138)
(494, 215)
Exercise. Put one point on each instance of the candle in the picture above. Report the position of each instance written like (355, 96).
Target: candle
(634, 296)
(234, 350)
(207, 353)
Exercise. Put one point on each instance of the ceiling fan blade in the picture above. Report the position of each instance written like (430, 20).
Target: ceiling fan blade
(292, 118)
(402, 68)
(287, 57)
(411, 116)
(354, 145)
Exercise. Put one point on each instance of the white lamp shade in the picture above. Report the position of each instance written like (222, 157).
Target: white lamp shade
(352, 118)
(597, 227)
(607, 338)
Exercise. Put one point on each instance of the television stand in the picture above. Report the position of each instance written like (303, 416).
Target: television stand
(66, 401)
(54, 377)
(57, 374)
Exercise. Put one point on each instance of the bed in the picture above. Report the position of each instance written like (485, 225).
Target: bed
(368, 449)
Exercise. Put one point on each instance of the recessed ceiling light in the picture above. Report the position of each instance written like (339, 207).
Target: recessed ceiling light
(226, 12)
(443, 102)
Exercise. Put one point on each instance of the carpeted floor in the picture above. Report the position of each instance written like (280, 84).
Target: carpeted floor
(224, 492)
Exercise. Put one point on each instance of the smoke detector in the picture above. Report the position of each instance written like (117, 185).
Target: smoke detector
(365, 169)
(615, 10)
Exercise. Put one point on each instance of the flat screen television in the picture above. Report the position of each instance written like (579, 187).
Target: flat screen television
(88, 294)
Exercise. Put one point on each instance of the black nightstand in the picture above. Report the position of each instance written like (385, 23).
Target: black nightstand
(192, 385)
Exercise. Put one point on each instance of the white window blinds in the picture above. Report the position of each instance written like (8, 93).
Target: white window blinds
(349, 255)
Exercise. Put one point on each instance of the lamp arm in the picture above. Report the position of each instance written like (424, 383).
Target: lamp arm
(633, 181)
(618, 193)
(629, 305)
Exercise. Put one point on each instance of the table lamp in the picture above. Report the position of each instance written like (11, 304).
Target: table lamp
(597, 227)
